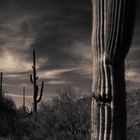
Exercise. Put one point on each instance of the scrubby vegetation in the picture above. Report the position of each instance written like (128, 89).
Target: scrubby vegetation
(67, 117)
(133, 115)
(7, 116)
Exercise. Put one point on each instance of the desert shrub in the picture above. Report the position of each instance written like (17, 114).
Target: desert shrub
(67, 117)
(7, 116)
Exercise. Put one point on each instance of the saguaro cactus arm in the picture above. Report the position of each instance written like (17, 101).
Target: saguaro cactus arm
(41, 92)
(31, 78)
(37, 78)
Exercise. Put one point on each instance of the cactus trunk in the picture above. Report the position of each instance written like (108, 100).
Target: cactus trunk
(34, 84)
(112, 33)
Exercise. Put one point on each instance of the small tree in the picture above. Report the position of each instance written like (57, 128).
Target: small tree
(66, 117)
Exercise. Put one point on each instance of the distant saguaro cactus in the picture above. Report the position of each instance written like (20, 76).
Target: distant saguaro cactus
(36, 96)
(24, 100)
(1, 82)
(112, 32)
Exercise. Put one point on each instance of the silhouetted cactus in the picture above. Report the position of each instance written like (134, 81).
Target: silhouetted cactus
(36, 96)
(112, 33)
(1, 82)
(24, 100)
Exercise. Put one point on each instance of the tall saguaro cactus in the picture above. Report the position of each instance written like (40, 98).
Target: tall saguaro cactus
(112, 33)
(36, 96)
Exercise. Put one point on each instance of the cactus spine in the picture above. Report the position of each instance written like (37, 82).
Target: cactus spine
(112, 32)
(33, 77)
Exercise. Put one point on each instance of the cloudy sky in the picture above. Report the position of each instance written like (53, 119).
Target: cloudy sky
(60, 31)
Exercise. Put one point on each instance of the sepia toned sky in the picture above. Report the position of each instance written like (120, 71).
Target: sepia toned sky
(60, 31)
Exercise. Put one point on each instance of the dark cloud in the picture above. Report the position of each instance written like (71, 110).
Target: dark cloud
(60, 31)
